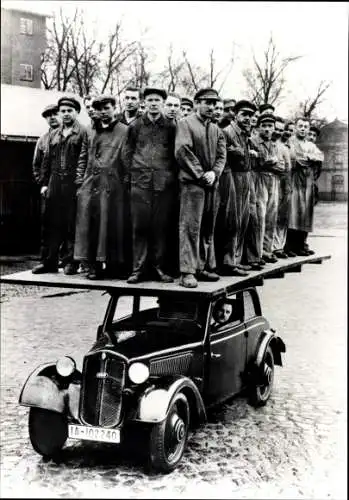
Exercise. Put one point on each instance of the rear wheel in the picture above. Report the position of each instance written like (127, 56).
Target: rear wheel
(169, 438)
(48, 431)
(263, 386)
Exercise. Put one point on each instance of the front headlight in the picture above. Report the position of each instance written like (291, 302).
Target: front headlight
(138, 373)
(65, 366)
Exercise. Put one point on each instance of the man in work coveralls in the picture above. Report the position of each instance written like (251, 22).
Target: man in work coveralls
(151, 168)
(100, 175)
(201, 153)
(57, 182)
(304, 157)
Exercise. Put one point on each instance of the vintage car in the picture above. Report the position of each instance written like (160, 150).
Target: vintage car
(159, 367)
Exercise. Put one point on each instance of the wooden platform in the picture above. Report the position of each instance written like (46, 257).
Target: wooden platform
(223, 286)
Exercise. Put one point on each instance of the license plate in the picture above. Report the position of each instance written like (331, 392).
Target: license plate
(88, 433)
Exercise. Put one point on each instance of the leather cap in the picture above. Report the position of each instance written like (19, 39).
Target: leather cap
(155, 90)
(69, 101)
(207, 93)
(49, 110)
(102, 99)
(243, 104)
(187, 101)
(265, 117)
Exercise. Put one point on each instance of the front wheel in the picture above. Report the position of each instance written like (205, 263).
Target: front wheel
(168, 439)
(263, 386)
(48, 431)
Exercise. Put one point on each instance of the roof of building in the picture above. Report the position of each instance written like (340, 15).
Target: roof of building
(334, 132)
(21, 109)
(36, 8)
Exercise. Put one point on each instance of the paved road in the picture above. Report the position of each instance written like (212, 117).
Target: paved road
(295, 447)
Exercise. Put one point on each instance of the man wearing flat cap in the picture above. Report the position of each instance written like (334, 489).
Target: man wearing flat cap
(50, 113)
(99, 236)
(268, 167)
(151, 171)
(266, 108)
(187, 106)
(200, 152)
(57, 179)
(235, 192)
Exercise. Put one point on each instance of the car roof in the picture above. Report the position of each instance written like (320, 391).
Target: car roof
(224, 286)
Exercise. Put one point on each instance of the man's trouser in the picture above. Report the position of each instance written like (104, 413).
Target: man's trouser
(150, 212)
(266, 204)
(225, 228)
(44, 248)
(197, 217)
(252, 252)
(282, 212)
(61, 214)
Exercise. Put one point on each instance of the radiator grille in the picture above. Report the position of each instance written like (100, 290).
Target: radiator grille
(103, 382)
(171, 365)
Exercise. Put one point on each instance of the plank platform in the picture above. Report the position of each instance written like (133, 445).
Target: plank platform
(225, 285)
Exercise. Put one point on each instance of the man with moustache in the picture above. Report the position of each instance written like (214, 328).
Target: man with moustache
(201, 153)
(100, 218)
(172, 107)
(304, 157)
(132, 100)
(187, 107)
(51, 115)
(236, 193)
(57, 179)
(284, 188)
(149, 156)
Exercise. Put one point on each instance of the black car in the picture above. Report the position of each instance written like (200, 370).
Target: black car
(157, 368)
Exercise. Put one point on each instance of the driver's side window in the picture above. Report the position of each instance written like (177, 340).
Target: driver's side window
(226, 312)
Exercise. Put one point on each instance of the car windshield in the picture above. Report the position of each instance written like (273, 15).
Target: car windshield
(158, 316)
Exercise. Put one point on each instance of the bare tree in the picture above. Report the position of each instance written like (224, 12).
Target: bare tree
(266, 79)
(311, 103)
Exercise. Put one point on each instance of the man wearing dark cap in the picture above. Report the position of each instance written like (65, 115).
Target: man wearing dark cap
(266, 108)
(235, 189)
(50, 113)
(201, 153)
(228, 115)
(187, 106)
(304, 158)
(57, 179)
(268, 166)
(149, 157)
(283, 179)
(100, 218)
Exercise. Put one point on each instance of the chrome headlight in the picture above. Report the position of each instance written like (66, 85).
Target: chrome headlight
(65, 366)
(138, 373)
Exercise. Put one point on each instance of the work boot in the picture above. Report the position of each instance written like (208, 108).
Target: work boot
(244, 267)
(135, 277)
(256, 266)
(71, 268)
(270, 258)
(44, 268)
(188, 280)
(95, 272)
(207, 276)
(290, 253)
(280, 254)
(232, 271)
(262, 262)
(163, 277)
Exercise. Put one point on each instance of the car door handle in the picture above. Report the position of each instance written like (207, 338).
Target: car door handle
(214, 355)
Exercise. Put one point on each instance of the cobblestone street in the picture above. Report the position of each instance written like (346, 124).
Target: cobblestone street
(295, 447)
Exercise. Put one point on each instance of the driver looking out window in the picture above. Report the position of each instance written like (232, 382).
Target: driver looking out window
(222, 313)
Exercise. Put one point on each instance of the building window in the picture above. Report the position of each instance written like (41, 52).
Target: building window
(338, 158)
(26, 72)
(26, 26)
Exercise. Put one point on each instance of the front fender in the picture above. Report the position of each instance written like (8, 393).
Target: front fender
(277, 346)
(154, 403)
(40, 391)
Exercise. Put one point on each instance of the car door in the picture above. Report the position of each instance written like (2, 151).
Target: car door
(226, 356)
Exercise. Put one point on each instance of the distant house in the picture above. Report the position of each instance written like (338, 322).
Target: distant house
(23, 40)
(21, 126)
(333, 181)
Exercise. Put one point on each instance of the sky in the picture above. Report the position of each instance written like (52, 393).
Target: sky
(316, 30)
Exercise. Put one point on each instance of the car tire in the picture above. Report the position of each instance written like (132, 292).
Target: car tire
(48, 431)
(262, 387)
(168, 439)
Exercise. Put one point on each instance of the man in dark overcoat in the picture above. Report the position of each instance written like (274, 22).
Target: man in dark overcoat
(100, 215)
(57, 181)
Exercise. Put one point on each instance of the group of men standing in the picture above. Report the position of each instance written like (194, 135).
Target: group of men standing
(172, 186)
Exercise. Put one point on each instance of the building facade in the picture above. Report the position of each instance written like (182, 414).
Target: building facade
(333, 181)
(23, 40)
